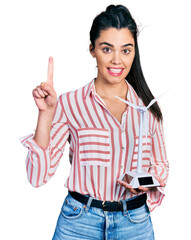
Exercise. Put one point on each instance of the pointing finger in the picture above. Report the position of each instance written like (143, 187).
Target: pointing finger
(50, 71)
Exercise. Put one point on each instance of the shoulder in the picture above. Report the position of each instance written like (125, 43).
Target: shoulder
(132, 96)
(76, 93)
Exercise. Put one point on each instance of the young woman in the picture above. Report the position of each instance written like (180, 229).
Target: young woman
(103, 134)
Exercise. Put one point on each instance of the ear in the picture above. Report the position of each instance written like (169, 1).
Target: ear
(92, 50)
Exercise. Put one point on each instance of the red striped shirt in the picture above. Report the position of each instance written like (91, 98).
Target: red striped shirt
(101, 148)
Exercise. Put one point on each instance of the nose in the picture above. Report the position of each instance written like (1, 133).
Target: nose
(116, 59)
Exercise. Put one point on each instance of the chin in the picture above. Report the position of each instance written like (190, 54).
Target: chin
(116, 79)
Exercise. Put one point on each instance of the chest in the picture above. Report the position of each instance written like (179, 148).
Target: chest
(116, 108)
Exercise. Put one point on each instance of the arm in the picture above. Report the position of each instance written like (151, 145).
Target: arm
(159, 166)
(45, 148)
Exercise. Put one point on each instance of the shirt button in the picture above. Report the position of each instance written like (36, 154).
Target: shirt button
(123, 147)
(123, 130)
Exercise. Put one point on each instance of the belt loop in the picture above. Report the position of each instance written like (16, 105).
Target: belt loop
(88, 204)
(124, 207)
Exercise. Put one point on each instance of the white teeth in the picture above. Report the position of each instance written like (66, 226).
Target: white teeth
(115, 70)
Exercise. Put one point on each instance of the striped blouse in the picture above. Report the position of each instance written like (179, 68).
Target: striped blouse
(101, 148)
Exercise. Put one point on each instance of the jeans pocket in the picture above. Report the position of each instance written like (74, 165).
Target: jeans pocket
(139, 215)
(70, 210)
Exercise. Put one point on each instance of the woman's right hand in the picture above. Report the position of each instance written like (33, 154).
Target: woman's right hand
(44, 95)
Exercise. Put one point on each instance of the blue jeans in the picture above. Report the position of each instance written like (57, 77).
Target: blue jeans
(80, 221)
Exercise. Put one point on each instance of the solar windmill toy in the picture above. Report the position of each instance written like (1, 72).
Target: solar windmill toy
(140, 177)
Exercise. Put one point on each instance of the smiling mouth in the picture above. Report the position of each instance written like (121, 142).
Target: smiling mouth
(115, 70)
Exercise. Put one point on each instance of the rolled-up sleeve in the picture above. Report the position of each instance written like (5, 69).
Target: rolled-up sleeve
(159, 165)
(41, 163)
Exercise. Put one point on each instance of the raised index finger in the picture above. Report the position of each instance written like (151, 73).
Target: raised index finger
(50, 71)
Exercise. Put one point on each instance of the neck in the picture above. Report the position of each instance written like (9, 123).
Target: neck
(110, 90)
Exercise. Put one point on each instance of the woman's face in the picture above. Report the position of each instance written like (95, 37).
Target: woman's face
(114, 52)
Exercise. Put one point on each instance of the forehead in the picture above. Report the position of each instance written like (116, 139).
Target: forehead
(116, 36)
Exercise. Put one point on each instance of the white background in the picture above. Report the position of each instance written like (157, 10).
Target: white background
(31, 31)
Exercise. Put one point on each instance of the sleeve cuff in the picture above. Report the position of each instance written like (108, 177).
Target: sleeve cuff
(29, 142)
(154, 198)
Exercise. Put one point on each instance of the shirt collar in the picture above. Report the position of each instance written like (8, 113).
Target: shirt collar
(90, 88)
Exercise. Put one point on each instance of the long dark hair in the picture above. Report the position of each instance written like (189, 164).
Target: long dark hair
(119, 17)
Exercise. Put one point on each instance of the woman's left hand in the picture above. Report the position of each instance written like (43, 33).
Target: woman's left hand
(142, 189)
(146, 189)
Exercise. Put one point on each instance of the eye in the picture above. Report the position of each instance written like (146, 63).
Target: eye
(106, 50)
(126, 51)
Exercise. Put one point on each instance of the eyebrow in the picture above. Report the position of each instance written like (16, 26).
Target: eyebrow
(109, 44)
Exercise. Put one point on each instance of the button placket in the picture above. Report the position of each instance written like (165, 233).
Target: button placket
(123, 136)
(123, 130)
